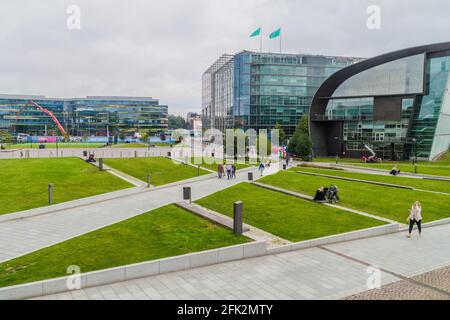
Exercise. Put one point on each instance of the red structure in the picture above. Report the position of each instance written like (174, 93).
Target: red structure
(55, 120)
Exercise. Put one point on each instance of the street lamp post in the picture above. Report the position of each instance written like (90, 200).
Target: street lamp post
(337, 149)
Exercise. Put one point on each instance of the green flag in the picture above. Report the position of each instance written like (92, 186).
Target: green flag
(255, 33)
(275, 34)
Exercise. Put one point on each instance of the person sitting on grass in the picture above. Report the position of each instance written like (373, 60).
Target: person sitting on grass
(320, 194)
(395, 171)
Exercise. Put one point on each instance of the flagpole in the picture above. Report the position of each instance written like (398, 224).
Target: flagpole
(280, 42)
(260, 42)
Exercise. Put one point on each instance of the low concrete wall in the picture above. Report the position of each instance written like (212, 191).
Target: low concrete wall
(354, 235)
(134, 271)
(436, 223)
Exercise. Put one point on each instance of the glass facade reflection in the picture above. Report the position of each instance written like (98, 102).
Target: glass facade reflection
(400, 108)
(403, 76)
(259, 90)
(91, 116)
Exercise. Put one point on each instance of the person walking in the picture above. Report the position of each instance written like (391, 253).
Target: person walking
(415, 216)
(228, 171)
(287, 159)
(261, 168)
(220, 170)
(233, 171)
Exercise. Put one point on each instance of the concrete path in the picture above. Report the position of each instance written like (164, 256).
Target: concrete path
(22, 236)
(330, 272)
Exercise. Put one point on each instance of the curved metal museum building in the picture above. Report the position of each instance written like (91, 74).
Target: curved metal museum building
(397, 104)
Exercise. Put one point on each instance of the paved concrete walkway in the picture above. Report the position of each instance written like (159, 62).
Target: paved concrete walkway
(330, 272)
(79, 152)
(22, 236)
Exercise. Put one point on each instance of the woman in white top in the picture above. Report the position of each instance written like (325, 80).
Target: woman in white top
(415, 216)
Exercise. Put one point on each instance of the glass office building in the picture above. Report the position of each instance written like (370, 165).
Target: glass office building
(90, 116)
(259, 90)
(396, 104)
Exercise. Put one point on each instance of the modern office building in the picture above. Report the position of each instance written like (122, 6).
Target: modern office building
(397, 104)
(90, 116)
(259, 90)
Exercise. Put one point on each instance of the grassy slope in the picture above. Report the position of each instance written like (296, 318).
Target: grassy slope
(440, 167)
(433, 185)
(24, 182)
(389, 202)
(161, 233)
(288, 217)
(162, 170)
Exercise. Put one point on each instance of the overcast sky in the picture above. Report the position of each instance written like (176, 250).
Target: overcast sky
(160, 48)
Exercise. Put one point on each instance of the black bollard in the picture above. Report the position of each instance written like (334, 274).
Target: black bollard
(238, 218)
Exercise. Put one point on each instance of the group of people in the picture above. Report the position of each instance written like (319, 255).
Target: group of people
(228, 169)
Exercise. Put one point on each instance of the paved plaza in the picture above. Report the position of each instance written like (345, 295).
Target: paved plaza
(334, 271)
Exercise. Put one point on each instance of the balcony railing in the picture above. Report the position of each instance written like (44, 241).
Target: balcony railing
(324, 117)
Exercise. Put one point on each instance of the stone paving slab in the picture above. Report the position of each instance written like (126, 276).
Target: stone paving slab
(305, 274)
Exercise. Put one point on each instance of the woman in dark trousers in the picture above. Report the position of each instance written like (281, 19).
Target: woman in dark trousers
(415, 217)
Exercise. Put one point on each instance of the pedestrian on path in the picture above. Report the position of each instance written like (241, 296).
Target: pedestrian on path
(261, 168)
(287, 159)
(415, 217)
(220, 170)
(233, 171)
(228, 171)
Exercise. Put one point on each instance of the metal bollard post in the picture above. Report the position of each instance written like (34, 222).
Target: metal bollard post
(50, 193)
(135, 153)
(284, 167)
(187, 194)
(250, 176)
(198, 170)
(148, 180)
(238, 218)
(100, 164)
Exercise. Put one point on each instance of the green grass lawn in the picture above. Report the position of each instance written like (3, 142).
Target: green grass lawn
(430, 168)
(440, 167)
(24, 182)
(51, 145)
(162, 170)
(164, 232)
(388, 202)
(286, 216)
(432, 185)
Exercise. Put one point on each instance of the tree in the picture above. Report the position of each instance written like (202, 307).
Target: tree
(176, 122)
(281, 133)
(5, 137)
(300, 143)
(145, 134)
